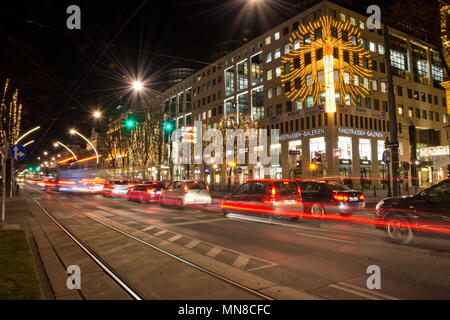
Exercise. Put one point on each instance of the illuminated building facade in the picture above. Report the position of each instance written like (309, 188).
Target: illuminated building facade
(320, 78)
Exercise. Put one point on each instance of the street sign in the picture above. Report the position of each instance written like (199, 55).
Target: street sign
(391, 145)
(386, 156)
(17, 152)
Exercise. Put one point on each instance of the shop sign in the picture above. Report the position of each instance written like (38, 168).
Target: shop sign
(366, 162)
(307, 133)
(345, 161)
(434, 151)
(357, 132)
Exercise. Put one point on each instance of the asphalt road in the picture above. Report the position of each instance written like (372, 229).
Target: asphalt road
(329, 260)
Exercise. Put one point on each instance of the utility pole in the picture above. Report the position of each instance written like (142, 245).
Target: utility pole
(392, 108)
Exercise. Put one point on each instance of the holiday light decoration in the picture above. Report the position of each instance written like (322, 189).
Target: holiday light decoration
(326, 55)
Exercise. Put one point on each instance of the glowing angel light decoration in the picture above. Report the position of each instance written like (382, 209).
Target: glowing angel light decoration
(326, 55)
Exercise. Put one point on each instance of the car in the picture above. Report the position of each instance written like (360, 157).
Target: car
(117, 188)
(146, 192)
(328, 197)
(269, 197)
(426, 213)
(185, 193)
(50, 184)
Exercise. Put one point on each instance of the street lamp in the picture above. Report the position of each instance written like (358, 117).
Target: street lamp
(73, 131)
(137, 85)
(67, 148)
(97, 114)
(27, 133)
(45, 153)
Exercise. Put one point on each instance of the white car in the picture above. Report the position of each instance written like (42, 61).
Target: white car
(186, 193)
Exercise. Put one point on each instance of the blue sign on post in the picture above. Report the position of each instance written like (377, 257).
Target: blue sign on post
(386, 157)
(17, 152)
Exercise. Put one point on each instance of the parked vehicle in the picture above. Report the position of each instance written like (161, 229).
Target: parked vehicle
(328, 197)
(117, 188)
(186, 192)
(276, 197)
(425, 213)
(146, 192)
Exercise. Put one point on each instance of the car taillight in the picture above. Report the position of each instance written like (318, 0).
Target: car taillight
(273, 191)
(131, 186)
(299, 191)
(66, 182)
(340, 197)
(186, 188)
(149, 190)
(361, 197)
(207, 188)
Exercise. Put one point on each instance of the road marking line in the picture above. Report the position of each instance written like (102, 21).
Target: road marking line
(177, 218)
(325, 238)
(193, 222)
(160, 233)
(175, 238)
(353, 292)
(214, 252)
(149, 228)
(385, 296)
(262, 267)
(192, 244)
(238, 217)
(241, 261)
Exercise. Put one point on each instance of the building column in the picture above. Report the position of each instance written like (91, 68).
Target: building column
(306, 159)
(356, 169)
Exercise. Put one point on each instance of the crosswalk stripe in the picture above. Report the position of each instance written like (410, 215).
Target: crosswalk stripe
(214, 252)
(149, 228)
(160, 233)
(175, 238)
(241, 261)
(192, 244)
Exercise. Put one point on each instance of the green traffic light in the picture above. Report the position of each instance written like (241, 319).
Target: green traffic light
(130, 123)
(168, 126)
(30, 169)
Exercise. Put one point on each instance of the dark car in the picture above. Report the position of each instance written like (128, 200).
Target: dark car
(275, 197)
(328, 197)
(145, 193)
(425, 213)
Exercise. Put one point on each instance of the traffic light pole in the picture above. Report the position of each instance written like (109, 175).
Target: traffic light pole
(392, 110)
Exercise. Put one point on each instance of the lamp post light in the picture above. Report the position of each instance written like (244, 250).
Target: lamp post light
(73, 131)
(67, 148)
(97, 114)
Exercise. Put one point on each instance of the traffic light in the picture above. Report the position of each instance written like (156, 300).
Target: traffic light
(130, 123)
(123, 117)
(337, 153)
(168, 126)
(318, 157)
(30, 169)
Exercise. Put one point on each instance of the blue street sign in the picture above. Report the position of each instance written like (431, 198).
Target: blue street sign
(386, 157)
(17, 152)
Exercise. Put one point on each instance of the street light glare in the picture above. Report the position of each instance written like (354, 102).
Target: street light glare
(137, 85)
(55, 144)
(97, 114)
(72, 131)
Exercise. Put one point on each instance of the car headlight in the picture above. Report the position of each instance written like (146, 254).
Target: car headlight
(379, 205)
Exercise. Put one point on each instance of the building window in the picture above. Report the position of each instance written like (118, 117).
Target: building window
(309, 101)
(296, 44)
(278, 90)
(306, 39)
(229, 81)
(258, 103)
(365, 149)
(268, 57)
(277, 72)
(342, 17)
(376, 104)
(298, 104)
(318, 34)
(383, 87)
(380, 149)
(242, 69)
(286, 48)
(380, 49)
(268, 40)
(356, 80)
(277, 36)
(256, 69)
(279, 109)
(398, 60)
(269, 93)
(269, 75)
(345, 146)
(374, 85)
(372, 46)
(348, 99)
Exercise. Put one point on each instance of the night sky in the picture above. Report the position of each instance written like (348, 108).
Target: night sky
(63, 75)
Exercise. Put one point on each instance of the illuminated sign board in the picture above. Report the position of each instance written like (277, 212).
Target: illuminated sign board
(332, 47)
(434, 151)
(308, 133)
(360, 132)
